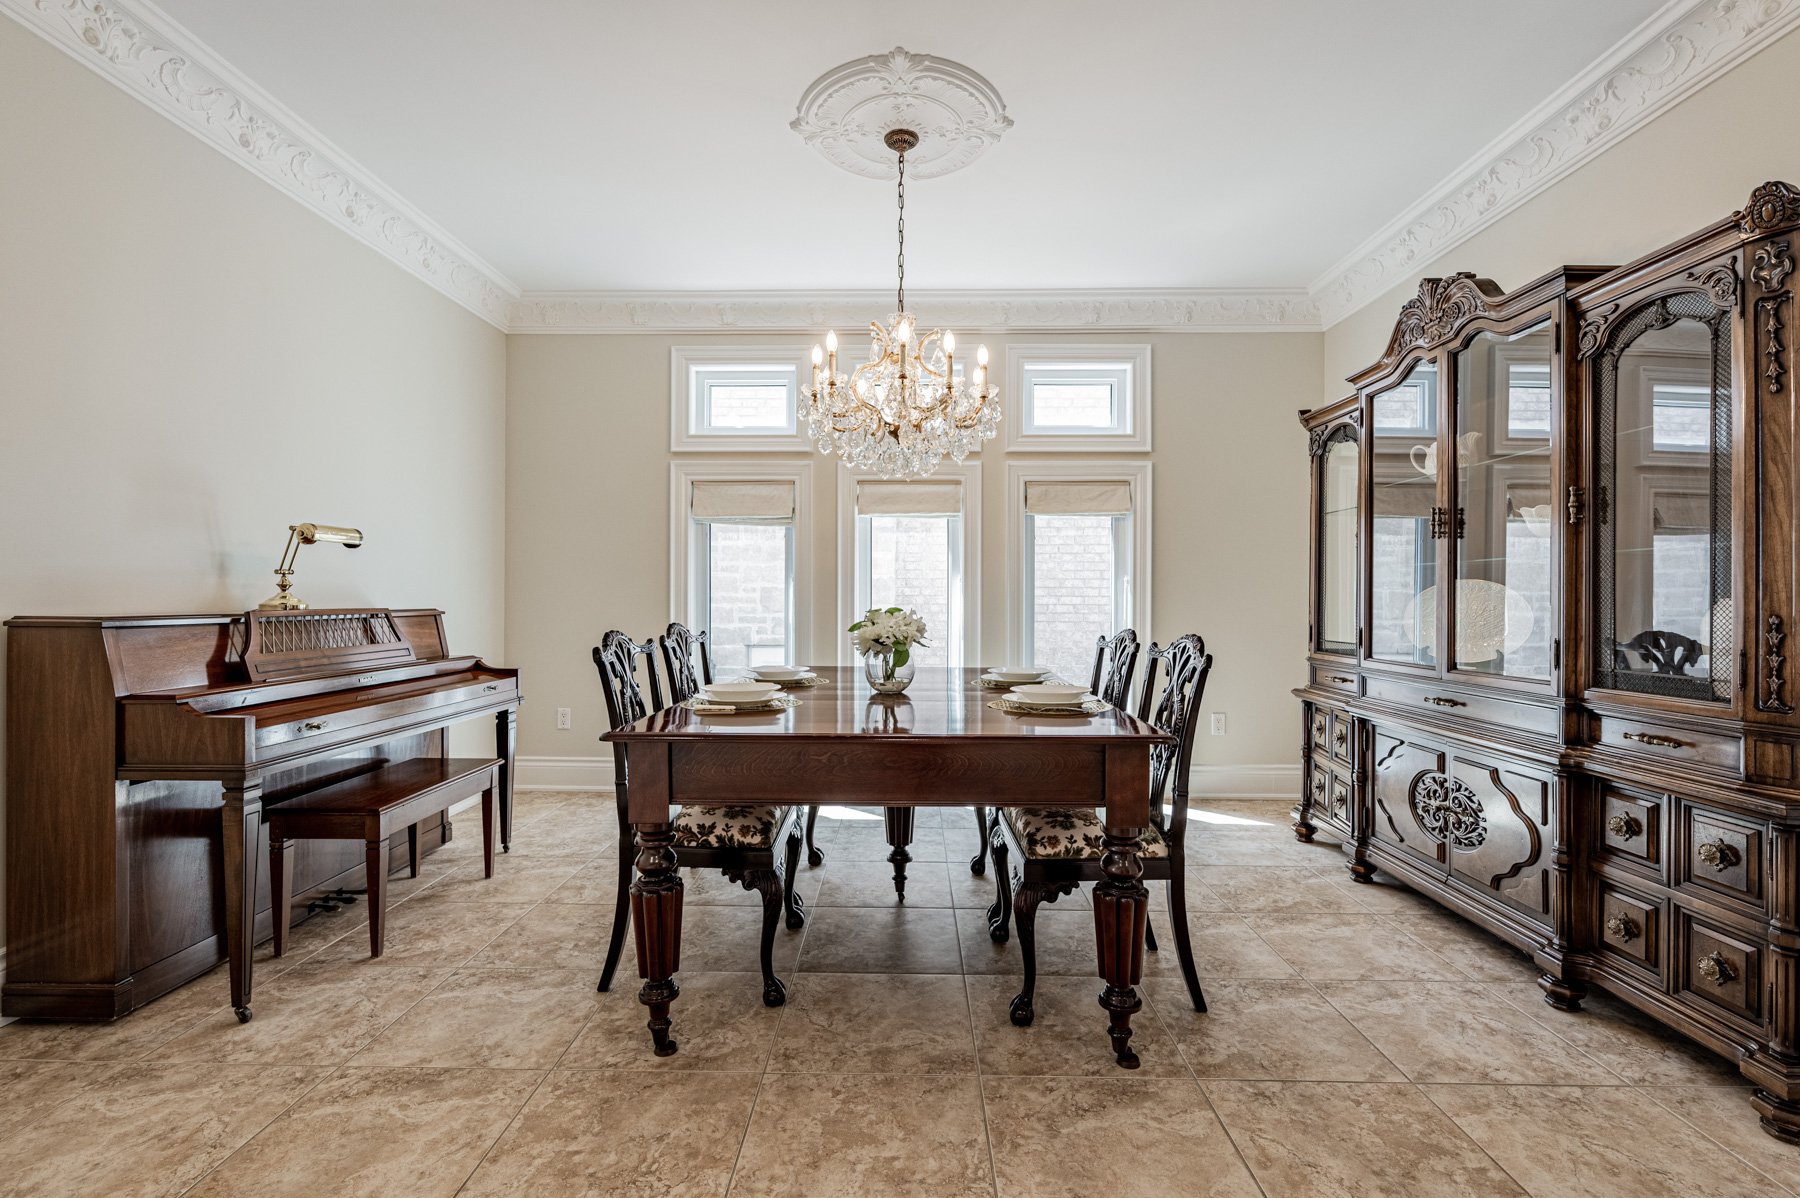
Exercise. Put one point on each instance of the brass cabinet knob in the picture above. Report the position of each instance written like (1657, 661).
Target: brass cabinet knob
(1624, 826)
(1718, 854)
(1715, 969)
(1623, 927)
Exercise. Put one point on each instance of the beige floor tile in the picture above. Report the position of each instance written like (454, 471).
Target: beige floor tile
(1352, 1140)
(311, 935)
(425, 934)
(711, 888)
(1346, 947)
(557, 936)
(1727, 1117)
(911, 1023)
(811, 1134)
(971, 890)
(1067, 1034)
(1068, 1136)
(868, 842)
(1384, 893)
(1630, 1044)
(315, 1014)
(1479, 954)
(871, 884)
(490, 1019)
(30, 1089)
(1268, 1031)
(878, 940)
(516, 880)
(128, 1038)
(722, 940)
(369, 1133)
(1212, 844)
(590, 1132)
(720, 1024)
(1292, 890)
(1571, 1142)
(597, 881)
(1461, 1032)
(154, 1128)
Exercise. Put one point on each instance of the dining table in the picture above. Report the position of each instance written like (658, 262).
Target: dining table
(941, 743)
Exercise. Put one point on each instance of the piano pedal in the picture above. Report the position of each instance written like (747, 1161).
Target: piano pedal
(346, 897)
(314, 906)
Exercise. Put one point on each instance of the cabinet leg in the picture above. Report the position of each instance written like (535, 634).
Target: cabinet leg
(656, 918)
(1562, 994)
(242, 817)
(1121, 913)
(1780, 1117)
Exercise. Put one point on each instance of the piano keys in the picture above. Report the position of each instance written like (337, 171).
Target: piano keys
(141, 752)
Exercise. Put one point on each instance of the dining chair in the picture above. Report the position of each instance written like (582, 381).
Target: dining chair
(687, 663)
(1116, 678)
(1043, 853)
(737, 840)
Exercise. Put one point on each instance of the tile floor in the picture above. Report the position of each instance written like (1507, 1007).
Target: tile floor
(1361, 1042)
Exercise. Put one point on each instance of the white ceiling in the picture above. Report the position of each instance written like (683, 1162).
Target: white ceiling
(578, 145)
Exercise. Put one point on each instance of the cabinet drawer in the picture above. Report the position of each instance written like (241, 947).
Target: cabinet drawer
(1432, 699)
(1679, 744)
(1335, 678)
(1321, 728)
(1723, 853)
(1340, 799)
(1722, 968)
(1629, 926)
(1340, 737)
(1631, 824)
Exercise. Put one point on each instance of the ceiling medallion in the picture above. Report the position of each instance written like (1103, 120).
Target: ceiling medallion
(904, 410)
(848, 111)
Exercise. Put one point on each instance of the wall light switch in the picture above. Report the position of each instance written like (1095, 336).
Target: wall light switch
(1218, 723)
(562, 718)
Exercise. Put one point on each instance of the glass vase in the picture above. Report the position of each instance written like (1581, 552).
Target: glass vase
(884, 676)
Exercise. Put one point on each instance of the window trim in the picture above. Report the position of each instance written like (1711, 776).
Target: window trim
(969, 474)
(1139, 475)
(685, 587)
(685, 437)
(1133, 357)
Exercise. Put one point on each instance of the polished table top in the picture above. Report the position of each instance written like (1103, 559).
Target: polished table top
(941, 703)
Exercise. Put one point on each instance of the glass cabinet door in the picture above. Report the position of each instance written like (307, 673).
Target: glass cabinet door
(1402, 552)
(1504, 517)
(1337, 543)
(1662, 508)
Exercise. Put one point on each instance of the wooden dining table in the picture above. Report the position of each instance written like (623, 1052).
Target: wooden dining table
(939, 744)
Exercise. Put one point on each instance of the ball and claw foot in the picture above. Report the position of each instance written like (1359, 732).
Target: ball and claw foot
(796, 915)
(774, 993)
(1022, 1012)
(998, 932)
(978, 865)
(243, 1014)
(815, 858)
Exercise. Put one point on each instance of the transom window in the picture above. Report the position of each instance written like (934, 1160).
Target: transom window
(1078, 397)
(736, 397)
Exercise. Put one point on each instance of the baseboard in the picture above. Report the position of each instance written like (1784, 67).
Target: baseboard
(3, 1022)
(565, 773)
(1245, 781)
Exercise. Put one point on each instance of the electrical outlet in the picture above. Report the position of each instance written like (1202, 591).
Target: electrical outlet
(562, 718)
(1218, 723)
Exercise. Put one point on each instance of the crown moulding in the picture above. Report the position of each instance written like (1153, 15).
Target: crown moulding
(1678, 51)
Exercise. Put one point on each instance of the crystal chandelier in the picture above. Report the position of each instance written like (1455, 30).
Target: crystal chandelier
(904, 410)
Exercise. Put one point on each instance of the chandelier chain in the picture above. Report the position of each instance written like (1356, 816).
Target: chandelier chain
(902, 257)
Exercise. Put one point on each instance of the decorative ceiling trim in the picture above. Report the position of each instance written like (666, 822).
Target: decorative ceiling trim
(1680, 49)
(845, 113)
(810, 312)
(143, 50)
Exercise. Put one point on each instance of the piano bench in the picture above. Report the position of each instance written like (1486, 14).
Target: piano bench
(370, 808)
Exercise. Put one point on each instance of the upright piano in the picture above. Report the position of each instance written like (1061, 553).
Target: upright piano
(141, 751)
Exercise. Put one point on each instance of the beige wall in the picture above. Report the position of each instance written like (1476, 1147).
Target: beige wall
(1691, 166)
(588, 522)
(190, 362)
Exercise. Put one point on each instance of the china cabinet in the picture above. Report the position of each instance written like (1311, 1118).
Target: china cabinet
(1553, 576)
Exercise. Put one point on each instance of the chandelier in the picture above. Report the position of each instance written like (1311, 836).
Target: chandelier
(904, 410)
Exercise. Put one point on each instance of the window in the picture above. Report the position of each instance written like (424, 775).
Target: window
(738, 554)
(905, 544)
(1080, 560)
(1078, 397)
(1528, 401)
(1681, 418)
(737, 397)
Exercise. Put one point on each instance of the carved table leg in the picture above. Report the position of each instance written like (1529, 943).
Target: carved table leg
(242, 817)
(656, 917)
(899, 835)
(1121, 913)
(506, 737)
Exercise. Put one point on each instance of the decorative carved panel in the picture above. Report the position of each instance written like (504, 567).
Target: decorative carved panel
(1398, 765)
(1442, 307)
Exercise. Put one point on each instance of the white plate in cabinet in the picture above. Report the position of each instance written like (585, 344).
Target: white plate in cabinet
(1645, 739)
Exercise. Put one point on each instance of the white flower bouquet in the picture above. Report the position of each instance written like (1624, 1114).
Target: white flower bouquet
(885, 637)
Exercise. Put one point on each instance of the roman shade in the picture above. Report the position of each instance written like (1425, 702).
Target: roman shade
(743, 502)
(1682, 515)
(935, 498)
(1111, 498)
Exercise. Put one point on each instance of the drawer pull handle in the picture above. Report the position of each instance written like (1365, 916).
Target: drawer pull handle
(1623, 928)
(1437, 701)
(492, 686)
(1661, 742)
(1625, 827)
(1718, 854)
(1340, 678)
(1715, 969)
(314, 726)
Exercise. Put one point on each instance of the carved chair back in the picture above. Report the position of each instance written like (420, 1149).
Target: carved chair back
(616, 659)
(1114, 663)
(1176, 710)
(1667, 652)
(687, 661)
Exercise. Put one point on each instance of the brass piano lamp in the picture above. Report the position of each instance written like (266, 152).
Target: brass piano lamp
(298, 535)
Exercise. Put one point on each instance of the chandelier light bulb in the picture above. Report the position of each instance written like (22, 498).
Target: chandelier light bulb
(949, 343)
(831, 340)
(981, 356)
(818, 355)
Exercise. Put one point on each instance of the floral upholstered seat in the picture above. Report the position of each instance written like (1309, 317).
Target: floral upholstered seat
(1069, 833)
(728, 827)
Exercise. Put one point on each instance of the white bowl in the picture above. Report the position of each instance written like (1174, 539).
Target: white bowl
(780, 673)
(1018, 673)
(739, 692)
(1050, 693)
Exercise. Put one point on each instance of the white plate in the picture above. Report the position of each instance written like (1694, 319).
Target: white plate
(739, 693)
(1051, 694)
(1018, 674)
(781, 673)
